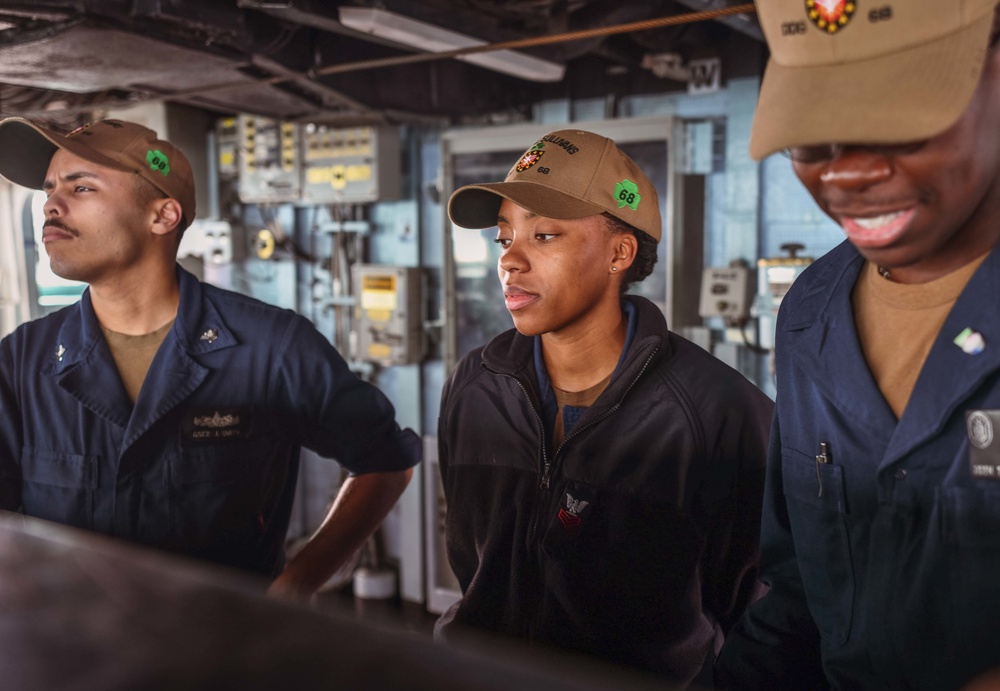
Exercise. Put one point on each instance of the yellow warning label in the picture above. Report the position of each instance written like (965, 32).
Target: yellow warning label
(378, 282)
(338, 176)
(378, 292)
(379, 351)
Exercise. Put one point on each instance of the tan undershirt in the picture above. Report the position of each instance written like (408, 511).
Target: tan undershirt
(134, 354)
(897, 324)
(576, 399)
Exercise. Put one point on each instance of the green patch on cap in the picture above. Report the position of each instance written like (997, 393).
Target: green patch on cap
(627, 193)
(158, 161)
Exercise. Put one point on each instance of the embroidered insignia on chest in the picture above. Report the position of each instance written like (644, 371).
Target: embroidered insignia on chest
(830, 15)
(570, 514)
(980, 429)
(217, 420)
(214, 426)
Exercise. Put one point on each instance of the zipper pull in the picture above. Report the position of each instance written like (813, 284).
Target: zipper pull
(822, 457)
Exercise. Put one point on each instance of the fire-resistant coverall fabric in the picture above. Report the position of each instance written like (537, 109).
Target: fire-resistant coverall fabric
(883, 560)
(637, 540)
(205, 464)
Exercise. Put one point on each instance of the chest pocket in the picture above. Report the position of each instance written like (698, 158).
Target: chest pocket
(210, 465)
(971, 518)
(822, 546)
(215, 500)
(59, 487)
(970, 532)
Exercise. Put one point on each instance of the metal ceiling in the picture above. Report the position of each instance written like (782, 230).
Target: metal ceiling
(66, 60)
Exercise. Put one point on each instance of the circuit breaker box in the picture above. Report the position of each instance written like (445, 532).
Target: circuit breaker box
(352, 165)
(269, 163)
(388, 314)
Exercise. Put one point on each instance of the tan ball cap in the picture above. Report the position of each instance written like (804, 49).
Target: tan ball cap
(566, 174)
(855, 73)
(26, 150)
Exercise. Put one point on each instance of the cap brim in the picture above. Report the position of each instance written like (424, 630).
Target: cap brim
(905, 96)
(477, 206)
(26, 151)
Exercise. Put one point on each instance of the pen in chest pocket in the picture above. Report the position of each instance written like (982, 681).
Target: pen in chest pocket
(823, 457)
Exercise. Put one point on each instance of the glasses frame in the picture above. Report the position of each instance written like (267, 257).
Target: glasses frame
(824, 153)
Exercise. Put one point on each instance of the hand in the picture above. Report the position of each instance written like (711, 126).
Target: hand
(286, 587)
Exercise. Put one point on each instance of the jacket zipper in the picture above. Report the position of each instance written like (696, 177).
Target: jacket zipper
(533, 527)
(541, 429)
(546, 473)
(546, 479)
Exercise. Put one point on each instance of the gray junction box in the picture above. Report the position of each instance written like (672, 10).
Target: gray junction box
(388, 313)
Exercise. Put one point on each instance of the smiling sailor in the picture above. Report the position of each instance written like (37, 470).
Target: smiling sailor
(881, 533)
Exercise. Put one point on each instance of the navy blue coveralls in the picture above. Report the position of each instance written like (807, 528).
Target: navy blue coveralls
(205, 463)
(883, 560)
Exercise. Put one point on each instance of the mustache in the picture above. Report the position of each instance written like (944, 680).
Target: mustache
(55, 223)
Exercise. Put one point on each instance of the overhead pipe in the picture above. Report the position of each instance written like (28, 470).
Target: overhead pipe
(739, 22)
(361, 65)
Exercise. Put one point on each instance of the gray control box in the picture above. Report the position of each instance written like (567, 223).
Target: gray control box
(349, 165)
(269, 162)
(388, 313)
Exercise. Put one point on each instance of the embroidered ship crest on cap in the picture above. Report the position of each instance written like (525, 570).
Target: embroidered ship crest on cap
(830, 15)
(531, 157)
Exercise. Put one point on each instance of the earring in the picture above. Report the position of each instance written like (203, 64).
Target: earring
(614, 268)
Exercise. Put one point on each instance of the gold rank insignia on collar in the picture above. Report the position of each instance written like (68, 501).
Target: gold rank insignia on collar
(210, 335)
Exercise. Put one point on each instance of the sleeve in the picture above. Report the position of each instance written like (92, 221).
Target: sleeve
(10, 433)
(729, 566)
(776, 643)
(442, 451)
(334, 412)
(442, 432)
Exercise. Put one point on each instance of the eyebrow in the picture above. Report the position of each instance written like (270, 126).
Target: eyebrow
(527, 215)
(71, 177)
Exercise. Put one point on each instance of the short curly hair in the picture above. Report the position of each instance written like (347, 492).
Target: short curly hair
(645, 256)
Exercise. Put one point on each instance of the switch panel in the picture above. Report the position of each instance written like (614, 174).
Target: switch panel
(725, 292)
(268, 160)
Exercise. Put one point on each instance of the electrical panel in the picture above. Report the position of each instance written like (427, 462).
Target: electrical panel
(388, 314)
(349, 165)
(775, 276)
(725, 292)
(269, 160)
(227, 144)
